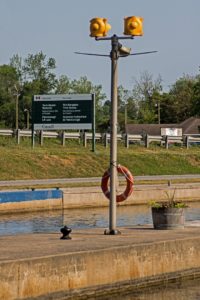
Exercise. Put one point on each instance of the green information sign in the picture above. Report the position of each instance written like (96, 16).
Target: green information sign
(55, 112)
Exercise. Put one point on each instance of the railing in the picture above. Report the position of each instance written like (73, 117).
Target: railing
(104, 138)
(132, 138)
(153, 138)
(6, 132)
(192, 139)
(173, 140)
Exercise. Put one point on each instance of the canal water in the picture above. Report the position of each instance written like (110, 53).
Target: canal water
(83, 218)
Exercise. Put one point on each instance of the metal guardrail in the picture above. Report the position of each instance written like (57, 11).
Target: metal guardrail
(192, 140)
(153, 138)
(6, 132)
(186, 140)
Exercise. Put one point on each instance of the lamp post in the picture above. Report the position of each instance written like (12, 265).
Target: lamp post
(117, 50)
(133, 26)
(113, 142)
(98, 29)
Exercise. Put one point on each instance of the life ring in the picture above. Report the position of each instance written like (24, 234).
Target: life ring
(129, 183)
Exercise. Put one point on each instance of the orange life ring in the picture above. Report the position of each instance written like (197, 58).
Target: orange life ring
(129, 183)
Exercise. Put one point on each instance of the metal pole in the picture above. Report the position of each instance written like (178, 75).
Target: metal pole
(125, 116)
(93, 124)
(33, 136)
(113, 138)
(158, 112)
(27, 119)
(32, 127)
(17, 90)
(17, 111)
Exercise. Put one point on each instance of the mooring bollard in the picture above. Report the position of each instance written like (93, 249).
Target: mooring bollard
(65, 231)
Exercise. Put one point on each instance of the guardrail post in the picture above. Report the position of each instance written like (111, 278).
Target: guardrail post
(187, 141)
(85, 139)
(18, 136)
(63, 138)
(147, 141)
(41, 137)
(79, 139)
(106, 140)
(127, 140)
(166, 142)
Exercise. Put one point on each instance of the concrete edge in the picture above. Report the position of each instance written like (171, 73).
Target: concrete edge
(116, 269)
(124, 288)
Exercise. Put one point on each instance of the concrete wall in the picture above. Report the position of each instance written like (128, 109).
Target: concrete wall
(84, 197)
(93, 196)
(25, 201)
(97, 270)
(19, 196)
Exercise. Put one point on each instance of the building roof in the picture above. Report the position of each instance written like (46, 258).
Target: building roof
(189, 126)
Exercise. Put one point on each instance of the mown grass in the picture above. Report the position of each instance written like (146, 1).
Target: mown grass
(52, 160)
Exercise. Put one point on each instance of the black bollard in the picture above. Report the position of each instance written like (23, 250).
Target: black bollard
(65, 231)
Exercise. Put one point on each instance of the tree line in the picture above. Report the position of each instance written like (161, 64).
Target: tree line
(146, 102)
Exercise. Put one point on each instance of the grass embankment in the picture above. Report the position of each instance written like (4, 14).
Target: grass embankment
(55, 161)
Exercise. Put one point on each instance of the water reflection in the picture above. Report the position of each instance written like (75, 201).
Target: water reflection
(82, 218)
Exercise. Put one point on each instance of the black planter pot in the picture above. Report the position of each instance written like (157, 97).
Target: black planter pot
(168, 217)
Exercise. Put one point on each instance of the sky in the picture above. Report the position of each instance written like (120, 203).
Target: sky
(58, 28)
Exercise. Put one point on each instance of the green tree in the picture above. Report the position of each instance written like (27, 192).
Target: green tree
(145, 92)
(196, 89)
(63, 85)
(36, 76)
(8, 84)
(17, 63)
(127, 108)
(178, 105)
(104, 117)
(38, 69)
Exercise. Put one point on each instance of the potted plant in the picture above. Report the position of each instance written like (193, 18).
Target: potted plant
(168, 214)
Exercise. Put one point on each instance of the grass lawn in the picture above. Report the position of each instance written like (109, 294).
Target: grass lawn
(52, 160)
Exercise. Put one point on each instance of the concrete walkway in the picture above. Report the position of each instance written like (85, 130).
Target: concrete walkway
(41, 245)
(42, 266)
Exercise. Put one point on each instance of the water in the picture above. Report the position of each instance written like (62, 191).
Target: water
(82, 218)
